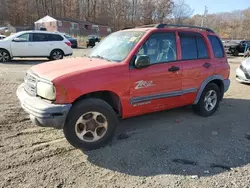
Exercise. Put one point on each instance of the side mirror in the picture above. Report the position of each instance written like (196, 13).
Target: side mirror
(142, 61)
(18, 40)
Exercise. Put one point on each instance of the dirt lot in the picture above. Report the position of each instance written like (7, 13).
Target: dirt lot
(174, 148)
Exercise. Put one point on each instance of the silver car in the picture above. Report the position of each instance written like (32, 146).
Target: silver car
(243, 72)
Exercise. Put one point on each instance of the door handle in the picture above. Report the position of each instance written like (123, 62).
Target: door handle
(173, 69)
(207, 65)
(30, 45)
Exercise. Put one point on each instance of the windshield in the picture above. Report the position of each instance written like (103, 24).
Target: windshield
(117, 46)
(12, 36)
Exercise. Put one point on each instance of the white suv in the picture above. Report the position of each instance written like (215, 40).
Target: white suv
(35, 44)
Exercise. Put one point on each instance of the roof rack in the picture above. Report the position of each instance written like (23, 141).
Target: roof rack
(187, 26)
(161, 26)
(127, 28)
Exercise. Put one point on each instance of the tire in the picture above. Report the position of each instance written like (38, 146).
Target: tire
(4, 56)
(201, 107)
(236, 52)
(56, 55)
(84, 110)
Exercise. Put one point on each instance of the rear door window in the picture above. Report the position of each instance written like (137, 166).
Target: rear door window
(193, 46)
(39, 37)
(189, 48)
(217, 46)
(202, 48)
(55, 37)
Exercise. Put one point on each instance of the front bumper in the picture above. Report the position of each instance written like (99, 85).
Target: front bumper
(241, 76)
(42, 113)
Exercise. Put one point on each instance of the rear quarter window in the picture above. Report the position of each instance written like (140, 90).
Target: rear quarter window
(54, 37)
(217, 46)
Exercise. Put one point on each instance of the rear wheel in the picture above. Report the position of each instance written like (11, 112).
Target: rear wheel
(209, 101)
(90, 124)
(56, 55)
(4, 56)
(236, 52)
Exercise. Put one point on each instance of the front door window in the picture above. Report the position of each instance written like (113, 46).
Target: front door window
(160, 47)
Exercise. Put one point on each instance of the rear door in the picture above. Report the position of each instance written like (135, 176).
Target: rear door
(197, 64)
(40, 45)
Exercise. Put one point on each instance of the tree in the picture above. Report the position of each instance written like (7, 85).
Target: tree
(181, 12)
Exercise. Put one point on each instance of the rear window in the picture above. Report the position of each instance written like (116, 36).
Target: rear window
(53, 37)
(217, 46)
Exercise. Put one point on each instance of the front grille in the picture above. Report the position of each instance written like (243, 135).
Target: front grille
(30, 84)
(245, 72)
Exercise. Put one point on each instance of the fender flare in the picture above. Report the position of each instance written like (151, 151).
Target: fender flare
(204, 84)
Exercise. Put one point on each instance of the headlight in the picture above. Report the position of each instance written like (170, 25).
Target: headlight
(46, 90)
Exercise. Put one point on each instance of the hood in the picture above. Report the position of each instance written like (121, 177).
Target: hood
(56, 69)
(246, 63)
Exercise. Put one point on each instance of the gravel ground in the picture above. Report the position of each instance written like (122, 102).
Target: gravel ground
(173, 148)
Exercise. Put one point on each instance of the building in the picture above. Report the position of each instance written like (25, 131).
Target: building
(8, 28)
(72, 26)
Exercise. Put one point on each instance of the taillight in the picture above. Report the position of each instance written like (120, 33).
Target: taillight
(68, 43)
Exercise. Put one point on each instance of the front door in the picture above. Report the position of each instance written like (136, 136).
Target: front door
(22, 46)
(158, 86)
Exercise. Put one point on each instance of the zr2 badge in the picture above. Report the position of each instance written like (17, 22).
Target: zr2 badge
(143, 84)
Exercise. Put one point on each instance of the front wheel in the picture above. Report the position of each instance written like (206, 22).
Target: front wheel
(90, 124)
(4, 56)
(209, 101)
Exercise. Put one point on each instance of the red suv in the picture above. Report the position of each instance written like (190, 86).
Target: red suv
(130, 73)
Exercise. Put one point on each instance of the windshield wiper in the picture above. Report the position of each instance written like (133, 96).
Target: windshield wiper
(99, 57)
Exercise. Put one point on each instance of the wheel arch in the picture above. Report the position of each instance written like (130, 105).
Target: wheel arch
(110, 97)
(6, 51)
(217, 79)
(57, 49)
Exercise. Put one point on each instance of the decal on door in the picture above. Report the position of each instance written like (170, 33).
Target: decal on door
(143, 84)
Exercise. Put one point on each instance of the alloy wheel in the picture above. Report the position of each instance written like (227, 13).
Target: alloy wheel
(4, 56)
(91, 127)
(210, 100)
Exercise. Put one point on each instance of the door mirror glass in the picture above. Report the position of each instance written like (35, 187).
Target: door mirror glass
(142, 61)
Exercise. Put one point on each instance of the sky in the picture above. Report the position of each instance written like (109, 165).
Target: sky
(215, 6)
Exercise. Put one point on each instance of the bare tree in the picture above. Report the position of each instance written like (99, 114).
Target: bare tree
(181, 11)
(124, 13)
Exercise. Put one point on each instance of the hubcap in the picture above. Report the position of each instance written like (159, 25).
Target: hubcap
(4, 57)
(210, 100)
(57, 55)
(91, 126)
